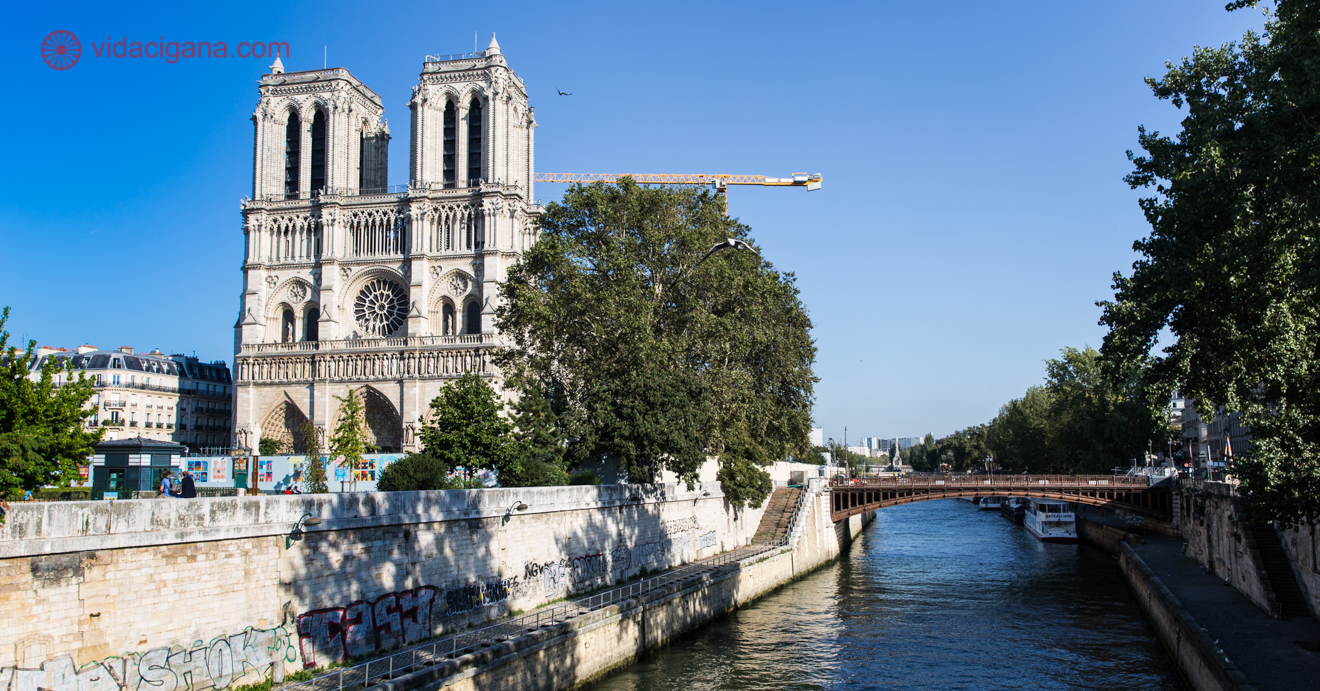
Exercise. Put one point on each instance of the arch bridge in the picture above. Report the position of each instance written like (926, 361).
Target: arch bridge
(1130, 493)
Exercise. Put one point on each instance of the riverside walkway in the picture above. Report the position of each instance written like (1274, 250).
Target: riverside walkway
(1270, 653)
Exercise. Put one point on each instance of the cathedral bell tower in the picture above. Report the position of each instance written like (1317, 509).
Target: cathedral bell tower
(350, 283)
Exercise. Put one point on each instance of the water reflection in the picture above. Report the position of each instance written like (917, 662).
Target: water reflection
(935, 595)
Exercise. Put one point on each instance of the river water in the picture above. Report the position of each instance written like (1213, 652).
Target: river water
(933, 595)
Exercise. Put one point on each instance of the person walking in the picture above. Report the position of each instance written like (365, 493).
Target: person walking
(189, 489)
(166, 490)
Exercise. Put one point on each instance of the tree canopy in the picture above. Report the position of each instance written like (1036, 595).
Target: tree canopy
(42, 438)
(659, 352)
(1230, 267)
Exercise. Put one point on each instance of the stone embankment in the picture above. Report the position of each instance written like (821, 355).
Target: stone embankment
(169, 595)
(1219, 637)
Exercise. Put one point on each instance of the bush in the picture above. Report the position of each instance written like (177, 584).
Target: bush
(268, 447)
(414, 472)
(584, 477)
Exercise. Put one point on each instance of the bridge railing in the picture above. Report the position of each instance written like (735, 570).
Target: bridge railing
(995, 481)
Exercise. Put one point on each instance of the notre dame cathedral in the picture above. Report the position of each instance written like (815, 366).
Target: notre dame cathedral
(349, 283)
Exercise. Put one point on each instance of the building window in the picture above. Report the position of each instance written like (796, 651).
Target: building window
(292, 144)
(447, 313)
(286, 327)
(474, 143)
(451, 144)
(318, 151)
(472, 318)
(114, 379)
(311, 329)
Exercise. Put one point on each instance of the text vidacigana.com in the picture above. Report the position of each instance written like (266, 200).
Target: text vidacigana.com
(173, 51)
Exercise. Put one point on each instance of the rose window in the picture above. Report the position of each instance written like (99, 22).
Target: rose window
(380, 308)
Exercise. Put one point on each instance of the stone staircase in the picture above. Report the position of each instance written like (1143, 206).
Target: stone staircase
(1281, 579)
(778, 512)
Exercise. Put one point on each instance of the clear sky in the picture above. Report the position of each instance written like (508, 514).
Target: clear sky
(972, 213)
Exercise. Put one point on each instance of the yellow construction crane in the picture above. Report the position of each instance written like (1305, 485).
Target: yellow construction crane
(719, 181)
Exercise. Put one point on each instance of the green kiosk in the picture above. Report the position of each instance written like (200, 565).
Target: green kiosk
(122, 466)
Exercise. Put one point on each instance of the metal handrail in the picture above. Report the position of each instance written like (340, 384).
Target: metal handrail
(460, 644)
(455, 56)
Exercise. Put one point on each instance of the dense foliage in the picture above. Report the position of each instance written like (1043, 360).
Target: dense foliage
(1080, 421)
(1232, 265)
(42, 438)
(660, 353)
(466, 428)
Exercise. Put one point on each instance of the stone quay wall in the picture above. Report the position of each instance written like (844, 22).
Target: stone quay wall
(582, 649)
(187, 595)
(1187, 644)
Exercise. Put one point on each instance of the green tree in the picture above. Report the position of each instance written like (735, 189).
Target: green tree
(42, 438)
(349, 440)
(1022, 437)
(269, 447)
(314, 478)
(1230, 267)
(464, 427)
(538, 456)
(662, 353)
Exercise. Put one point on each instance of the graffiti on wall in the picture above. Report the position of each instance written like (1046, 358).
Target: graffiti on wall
(471, 596)
(586, 571)
(708, 540)
(331, 634)
(222, 663)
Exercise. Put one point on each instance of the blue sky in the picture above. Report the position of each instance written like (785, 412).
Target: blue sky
(973, 153)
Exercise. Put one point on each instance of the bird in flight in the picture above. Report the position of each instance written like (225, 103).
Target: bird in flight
(562, 93)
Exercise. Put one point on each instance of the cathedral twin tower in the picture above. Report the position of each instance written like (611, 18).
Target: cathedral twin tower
(351, 284)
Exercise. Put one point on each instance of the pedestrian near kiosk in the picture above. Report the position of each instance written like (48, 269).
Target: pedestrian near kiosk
(189, 489)
(166, 488)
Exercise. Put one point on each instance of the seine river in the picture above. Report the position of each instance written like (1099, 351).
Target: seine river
(933, 595)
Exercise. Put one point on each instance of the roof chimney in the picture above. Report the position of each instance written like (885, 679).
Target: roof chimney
(84, 348)
(127, 350)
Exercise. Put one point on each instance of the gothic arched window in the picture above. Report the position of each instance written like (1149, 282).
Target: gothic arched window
(472, 318)
(318, 151)
(292, 143)
(447, 318)
(286, 327)
(451, 145)
(474, 143)
(312, 329)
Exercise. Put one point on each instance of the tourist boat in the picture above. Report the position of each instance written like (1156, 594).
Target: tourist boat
(1050, 520)
(990, 503)
(1014, 508)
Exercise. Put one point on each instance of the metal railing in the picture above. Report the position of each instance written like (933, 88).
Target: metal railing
(456, 56)
(363, 675)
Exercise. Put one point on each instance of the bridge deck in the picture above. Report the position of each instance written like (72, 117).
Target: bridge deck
(1135, 494)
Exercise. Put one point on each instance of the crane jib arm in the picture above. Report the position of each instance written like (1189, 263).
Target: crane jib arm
(811, 182)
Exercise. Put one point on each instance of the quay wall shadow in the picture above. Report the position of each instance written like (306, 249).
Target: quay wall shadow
(187, 595)
(581, 650)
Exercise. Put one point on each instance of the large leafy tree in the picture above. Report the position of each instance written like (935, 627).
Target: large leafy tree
(661, 353)
(42, 438)
(1230, 267)
(314, 478)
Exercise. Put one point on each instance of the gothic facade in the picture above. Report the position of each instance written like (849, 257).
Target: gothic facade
(351, 284)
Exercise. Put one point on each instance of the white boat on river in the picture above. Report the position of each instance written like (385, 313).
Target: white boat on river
(990, 503)
(1050, 520)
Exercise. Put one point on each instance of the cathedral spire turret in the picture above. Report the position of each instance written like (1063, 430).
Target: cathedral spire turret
(494, 47)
